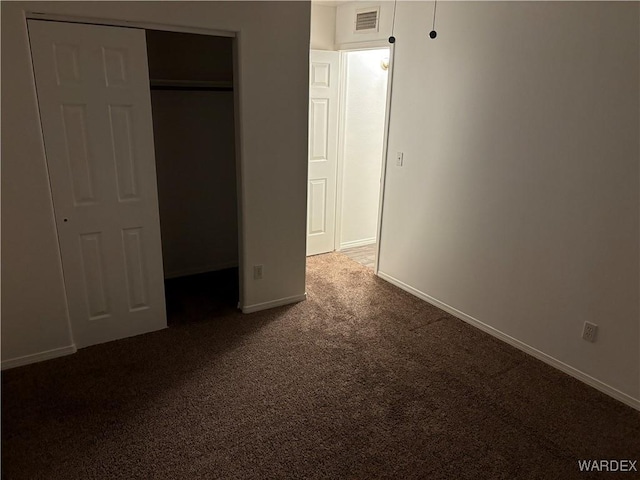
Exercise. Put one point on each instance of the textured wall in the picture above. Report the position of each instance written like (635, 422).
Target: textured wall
(365, 102)
(518, 201)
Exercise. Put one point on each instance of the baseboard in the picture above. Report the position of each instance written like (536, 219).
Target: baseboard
(38, 357)
(197, 270)
(548, 359)
(274, 303)
(357, 243)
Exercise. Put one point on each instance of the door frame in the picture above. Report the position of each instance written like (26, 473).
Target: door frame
(341, 145)
(30, 15)
(385, 156)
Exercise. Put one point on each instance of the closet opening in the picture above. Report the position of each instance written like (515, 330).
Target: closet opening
(192, 100)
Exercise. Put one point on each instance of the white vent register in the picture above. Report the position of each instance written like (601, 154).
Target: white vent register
(367, 20)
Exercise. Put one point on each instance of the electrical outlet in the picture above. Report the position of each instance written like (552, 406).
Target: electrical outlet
(257, 272)
(399, 159)
(589, 332)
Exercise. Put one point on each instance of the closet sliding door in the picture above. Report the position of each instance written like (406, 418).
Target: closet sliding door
(93, 94)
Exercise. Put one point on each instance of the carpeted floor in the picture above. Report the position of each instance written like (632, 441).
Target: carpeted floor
(361, 381)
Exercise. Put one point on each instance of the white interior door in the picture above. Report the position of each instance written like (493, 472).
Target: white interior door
(95, 108)
(323, 150)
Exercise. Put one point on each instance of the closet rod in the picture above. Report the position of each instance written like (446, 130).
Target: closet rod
(194, 89)
(193, 85)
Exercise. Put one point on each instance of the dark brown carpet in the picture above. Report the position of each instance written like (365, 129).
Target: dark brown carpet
(360, 381)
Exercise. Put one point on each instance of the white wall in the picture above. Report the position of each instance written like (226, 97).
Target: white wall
(273, 197)
(364, 115)
(196, 171)
(323, 27)
(518, 201)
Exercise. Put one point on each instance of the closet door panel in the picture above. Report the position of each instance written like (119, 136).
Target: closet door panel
(93, 94)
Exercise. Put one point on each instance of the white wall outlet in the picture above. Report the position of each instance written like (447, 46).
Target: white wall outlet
(257, 272)
(399, 159)
(589, 331)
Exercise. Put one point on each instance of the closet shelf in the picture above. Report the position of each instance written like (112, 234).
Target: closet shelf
(195, 85)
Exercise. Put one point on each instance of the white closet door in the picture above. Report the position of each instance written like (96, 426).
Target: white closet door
(323, 151)
(95, 108)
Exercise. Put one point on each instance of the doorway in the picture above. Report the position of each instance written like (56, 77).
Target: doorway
(348, 107)
(361, 137)
(191, 80)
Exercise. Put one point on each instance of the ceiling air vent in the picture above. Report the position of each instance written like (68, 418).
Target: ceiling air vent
(367, 20)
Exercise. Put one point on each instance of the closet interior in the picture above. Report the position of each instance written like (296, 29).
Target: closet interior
(191, 81)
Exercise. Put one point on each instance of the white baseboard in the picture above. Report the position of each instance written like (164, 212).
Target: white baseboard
(548, 359)
(274, 303)
(357, 243)
(38, 357)
(197, 270)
